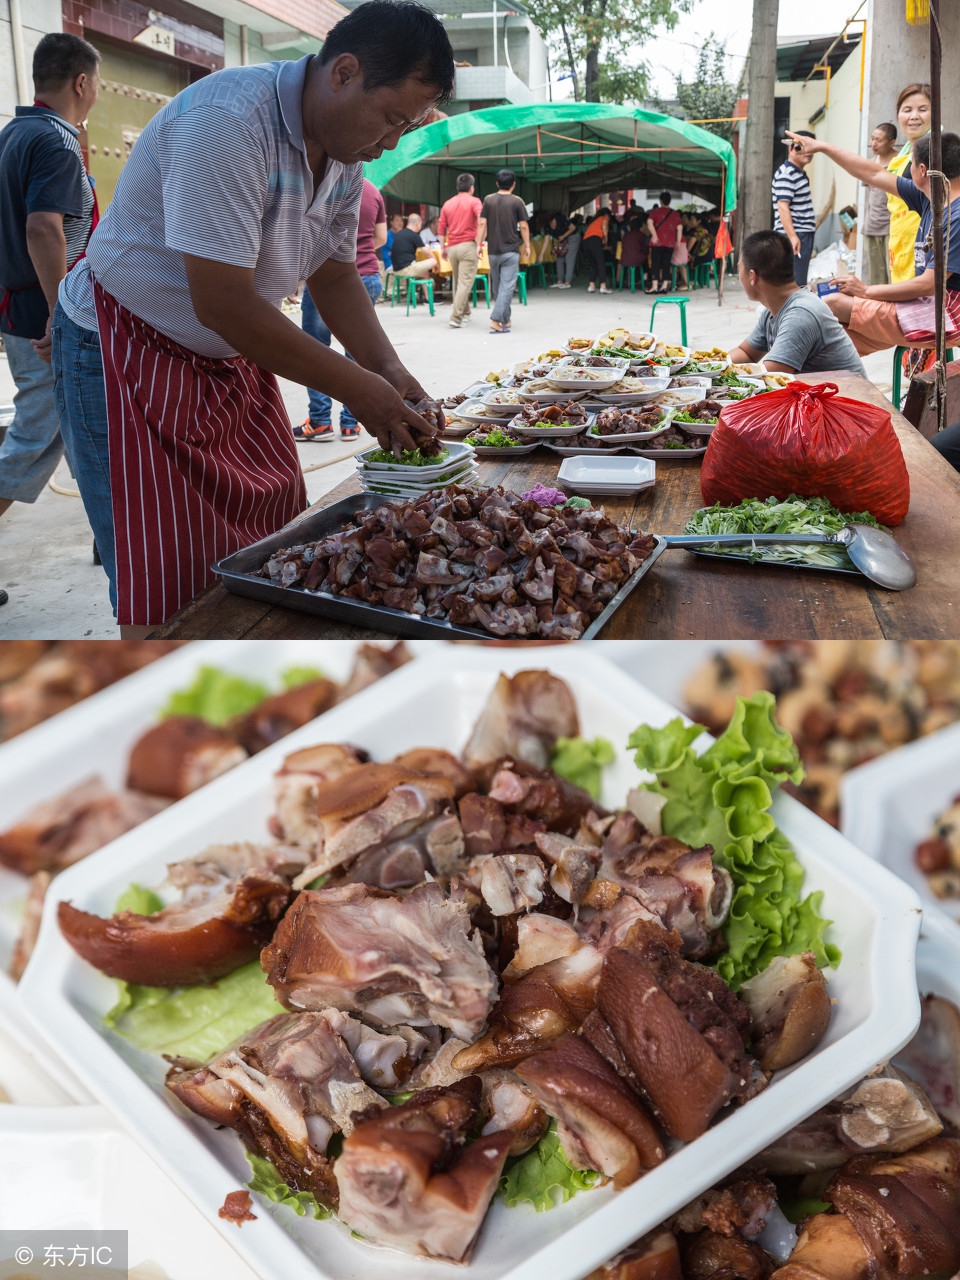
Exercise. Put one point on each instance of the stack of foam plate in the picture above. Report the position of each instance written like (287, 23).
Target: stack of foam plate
(394, 480)
(594, 475)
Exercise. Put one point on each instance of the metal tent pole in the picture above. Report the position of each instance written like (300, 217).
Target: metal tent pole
(937, 186)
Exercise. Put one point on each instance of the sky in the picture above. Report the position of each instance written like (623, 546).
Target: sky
(675, 53)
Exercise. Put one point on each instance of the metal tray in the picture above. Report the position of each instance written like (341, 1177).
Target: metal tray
(238, 571)
(775, 564)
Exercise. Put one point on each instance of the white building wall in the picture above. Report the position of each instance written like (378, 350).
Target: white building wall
(39, 17)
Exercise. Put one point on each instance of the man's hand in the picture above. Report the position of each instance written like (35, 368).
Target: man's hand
(44, 346)
(851, 286)
(795, 244)
(808, 145)
(383, 409)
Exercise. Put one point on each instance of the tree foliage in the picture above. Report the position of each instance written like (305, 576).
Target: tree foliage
(710, 95)
(596, 42)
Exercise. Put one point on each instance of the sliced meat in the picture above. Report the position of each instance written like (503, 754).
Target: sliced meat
(371, 663)
(296, 818)
(790, 1007)
(655, 1257)
(275, 717)
(408, 1179)
(30, 924)
(600, 1123)
(524, 716)
(540, 939)
(932, 1057)
(711, 1256)
(412, 959)
(511, 1108)
(512, 882)
(444, 764)
(180, 755)
(738, 1207)
(59, 832)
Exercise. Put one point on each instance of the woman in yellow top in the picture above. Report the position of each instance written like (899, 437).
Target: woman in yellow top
(913, 117)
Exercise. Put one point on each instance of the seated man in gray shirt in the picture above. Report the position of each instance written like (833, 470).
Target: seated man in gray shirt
(797, 332)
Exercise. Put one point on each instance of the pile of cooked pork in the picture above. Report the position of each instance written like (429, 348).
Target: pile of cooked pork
(616, 422)
(478, 558)
(176, 757)
(531, 414)
(482, 935)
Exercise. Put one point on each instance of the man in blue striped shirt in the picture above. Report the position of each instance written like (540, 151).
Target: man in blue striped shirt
(793, 206)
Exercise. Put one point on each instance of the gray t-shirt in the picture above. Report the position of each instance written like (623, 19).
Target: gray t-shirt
(806, 336)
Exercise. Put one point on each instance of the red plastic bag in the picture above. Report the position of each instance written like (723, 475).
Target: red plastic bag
(810, 441)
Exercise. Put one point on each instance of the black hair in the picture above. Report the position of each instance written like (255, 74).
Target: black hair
(949, 153)
(803, 133)
(394, 40)
(466, 181)
(505, 178)
(59, 58)
(770, 255)
(889, 129)
(665, 197)
(634, 224)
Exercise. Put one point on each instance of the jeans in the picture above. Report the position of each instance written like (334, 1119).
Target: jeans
(504, 269)
(801, 263)
(314, 325)
(463, 264)
(567, 265)
(32, 446)
(82, 405)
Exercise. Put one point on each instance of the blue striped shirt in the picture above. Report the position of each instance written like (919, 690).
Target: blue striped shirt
(790, 183)
(221, 173)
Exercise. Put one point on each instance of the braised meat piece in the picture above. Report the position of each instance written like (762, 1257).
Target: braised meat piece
(432, 413)
(371, 663)
(711, 1256)
(232, 898)
(532, 413)
(408, 1178)
(296, 818)
(512, 1108)
(413, 959)
(26, 939)
(180, 755)
(57, 833)
(522, 718)
(932, 1057)
(613, 421)
(790, 1007)
(275, 717)
(738, 1207)
(654, 1257)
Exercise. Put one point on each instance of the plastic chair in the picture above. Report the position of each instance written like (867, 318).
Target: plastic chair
(522, 285)
(678, 302)
(478, 280)
(895, 393)
(411, 282)
(537, 274)
(633, 277)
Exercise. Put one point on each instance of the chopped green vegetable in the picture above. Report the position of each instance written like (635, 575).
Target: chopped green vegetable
(722, 798)
(409, 457)
(581, 762)
(544, 1177)
(792, 515)
(684, 415)
(495, 439)
(293, 677)
(142, 901)
(731, 379)
(193, 1022)
(267, 1182)
(215, 696)
(578, 504)
(618, 353)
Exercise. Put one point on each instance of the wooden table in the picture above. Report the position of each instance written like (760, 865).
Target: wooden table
(686, 596)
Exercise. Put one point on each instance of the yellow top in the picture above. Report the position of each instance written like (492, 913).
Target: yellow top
(903, 225)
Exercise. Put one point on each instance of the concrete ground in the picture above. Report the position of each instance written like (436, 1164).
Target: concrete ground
(46, 564)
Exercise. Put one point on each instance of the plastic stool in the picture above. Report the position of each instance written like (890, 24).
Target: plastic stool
(895, 395)
(633, 278)
(522, 286)
(537, 274)
(411, 283)
(478, 280)
(679, 302)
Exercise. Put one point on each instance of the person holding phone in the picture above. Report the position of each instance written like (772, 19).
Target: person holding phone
(793, 204)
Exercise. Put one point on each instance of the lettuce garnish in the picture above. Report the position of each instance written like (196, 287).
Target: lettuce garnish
(194, 1022)
(581, 762)
(144, 902)
(544, 1177)
(267, 1182)
(217, 696)
(722, 798)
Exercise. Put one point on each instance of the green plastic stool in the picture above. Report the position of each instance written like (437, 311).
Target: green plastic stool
(481, 280)
(522, 286)
(537, 274)
(895, 394)
(411, 283)
(679, 302)
(633, 278)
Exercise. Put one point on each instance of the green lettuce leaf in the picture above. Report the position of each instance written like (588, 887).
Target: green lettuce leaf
(544, 1177)
(723, 798)
(194, 1022)
(267, 1182)
(215, 696)
(581, 762)
(143, 901)
(295, 676)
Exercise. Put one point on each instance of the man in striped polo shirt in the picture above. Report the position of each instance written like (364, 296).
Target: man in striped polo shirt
(168, 336)
(793, 206)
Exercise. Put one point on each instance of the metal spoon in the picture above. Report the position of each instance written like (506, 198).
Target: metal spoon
(875, 553)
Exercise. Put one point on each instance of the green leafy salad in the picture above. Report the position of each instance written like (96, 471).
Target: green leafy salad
(721, 797)
(217, 695)
(793, 515)
(409, 457)
(617, 353)
(684, 415)
(495, 439)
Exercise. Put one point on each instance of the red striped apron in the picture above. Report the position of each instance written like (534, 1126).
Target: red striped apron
(202, 462)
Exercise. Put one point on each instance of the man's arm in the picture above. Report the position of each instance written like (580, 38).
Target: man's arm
(481, 233)
(47, 248)
(652, 232)
(226, 300)
(866, 171)
(745, 354)
(783, 209)
(920, 286)
(524, 229)
(379, 235)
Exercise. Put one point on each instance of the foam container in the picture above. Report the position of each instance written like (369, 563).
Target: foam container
(889, 805)
(435, 702)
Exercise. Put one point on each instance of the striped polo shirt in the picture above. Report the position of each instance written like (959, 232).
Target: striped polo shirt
(790, 183)
(221, 173)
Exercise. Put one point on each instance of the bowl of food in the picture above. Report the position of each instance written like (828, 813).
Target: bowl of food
(504, 398)
(578, 346)
(377, 982)
(498, 440)
(543, 422)
(682, 398)
(629, 425)
(637, 344)
(700, 418)
(547, 389)
(589, 373)
(634, 390)
(417, 463)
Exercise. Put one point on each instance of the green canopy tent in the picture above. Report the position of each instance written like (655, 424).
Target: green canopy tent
(563, 153)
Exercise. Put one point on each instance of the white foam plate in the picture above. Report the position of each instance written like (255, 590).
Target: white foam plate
(676, 454)
(547, 433)
(435, 703)
(396, 489)
(459, 454)
(472, 411)
(505, 451)
(680, 397)
(496, 399)
(544, 389)
(890, 804)
(695, 428)
(630, 437)
(584, 451)
(655, 387)
(603, 340)
(694, 378)
(615, 472)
